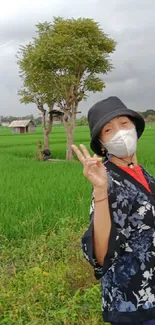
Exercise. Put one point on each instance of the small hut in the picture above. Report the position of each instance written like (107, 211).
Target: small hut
(23, 126)
(57, 116)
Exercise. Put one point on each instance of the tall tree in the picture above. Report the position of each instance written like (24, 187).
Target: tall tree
(65, 61)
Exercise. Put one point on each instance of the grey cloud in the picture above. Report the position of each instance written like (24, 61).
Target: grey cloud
(130, 23)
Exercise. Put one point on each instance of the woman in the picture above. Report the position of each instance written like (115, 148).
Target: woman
(120, 240)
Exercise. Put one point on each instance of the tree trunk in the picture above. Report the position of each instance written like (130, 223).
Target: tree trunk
(69, 151)
(48, 129)
(69, 123)
(46, 139)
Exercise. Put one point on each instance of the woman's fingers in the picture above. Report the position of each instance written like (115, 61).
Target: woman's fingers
(84, 156)
(78, 153)
(91, 159)
(92, 162)
(85, 151)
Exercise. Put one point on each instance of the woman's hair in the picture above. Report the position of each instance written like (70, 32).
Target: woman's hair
(105, 155)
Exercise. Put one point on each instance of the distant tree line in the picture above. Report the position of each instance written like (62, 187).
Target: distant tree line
(148, 115)
(9, 119)
(82, 121)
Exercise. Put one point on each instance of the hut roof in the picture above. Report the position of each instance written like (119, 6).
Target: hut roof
(20, 123)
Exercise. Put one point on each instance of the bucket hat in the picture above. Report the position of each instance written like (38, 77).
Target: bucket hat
(105, 110)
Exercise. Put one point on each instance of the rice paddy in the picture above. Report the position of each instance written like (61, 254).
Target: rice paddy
(44, 210)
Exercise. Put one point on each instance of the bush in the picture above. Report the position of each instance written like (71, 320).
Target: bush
(82, 121)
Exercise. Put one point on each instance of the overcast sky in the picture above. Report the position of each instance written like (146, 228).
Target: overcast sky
(131, 23)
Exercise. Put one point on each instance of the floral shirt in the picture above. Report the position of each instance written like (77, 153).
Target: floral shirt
(128, 274)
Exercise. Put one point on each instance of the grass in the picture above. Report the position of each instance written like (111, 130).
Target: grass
(44, 211)
(37, 195)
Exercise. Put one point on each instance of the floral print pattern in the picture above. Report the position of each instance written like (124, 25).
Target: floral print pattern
(128, 273)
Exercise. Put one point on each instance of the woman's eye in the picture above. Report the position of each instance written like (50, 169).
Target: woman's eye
(107, 131)
(125, 122)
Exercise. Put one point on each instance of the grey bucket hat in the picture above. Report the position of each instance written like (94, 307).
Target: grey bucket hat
(104, 111)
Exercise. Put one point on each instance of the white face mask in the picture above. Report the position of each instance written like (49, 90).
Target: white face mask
(123, 143)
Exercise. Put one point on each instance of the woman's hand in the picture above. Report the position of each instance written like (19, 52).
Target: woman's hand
(94, 169)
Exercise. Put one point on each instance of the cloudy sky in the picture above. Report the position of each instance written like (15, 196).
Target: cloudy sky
(131, 23)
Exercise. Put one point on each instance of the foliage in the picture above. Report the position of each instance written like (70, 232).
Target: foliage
(46, 281)
(9, 119)
(149, 114)
(68, 53)
(82, 121)
(64, 62)
(151, 118)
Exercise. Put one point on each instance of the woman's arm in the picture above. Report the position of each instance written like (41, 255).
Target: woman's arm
(103, 242)
(102, 224)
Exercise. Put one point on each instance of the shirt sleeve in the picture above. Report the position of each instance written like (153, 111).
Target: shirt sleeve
(116, 245)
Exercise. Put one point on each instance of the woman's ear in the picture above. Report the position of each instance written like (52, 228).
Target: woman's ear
(103, 150)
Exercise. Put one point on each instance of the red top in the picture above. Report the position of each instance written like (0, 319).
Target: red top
(137, 173)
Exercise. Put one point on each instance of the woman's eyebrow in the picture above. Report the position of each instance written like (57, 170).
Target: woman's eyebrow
(106, 126)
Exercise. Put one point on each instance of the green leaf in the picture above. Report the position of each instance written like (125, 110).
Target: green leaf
(65, 60)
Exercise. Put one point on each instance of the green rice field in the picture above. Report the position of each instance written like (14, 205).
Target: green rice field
(44, 210)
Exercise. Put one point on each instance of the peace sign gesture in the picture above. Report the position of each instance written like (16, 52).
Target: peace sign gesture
(94, 169)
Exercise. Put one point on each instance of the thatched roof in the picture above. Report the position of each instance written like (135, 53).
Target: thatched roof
(20, 123)
(56, 112)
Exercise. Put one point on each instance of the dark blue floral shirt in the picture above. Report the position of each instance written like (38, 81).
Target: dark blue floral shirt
(128, 274)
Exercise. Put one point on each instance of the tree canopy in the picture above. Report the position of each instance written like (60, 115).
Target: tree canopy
(65, 61)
